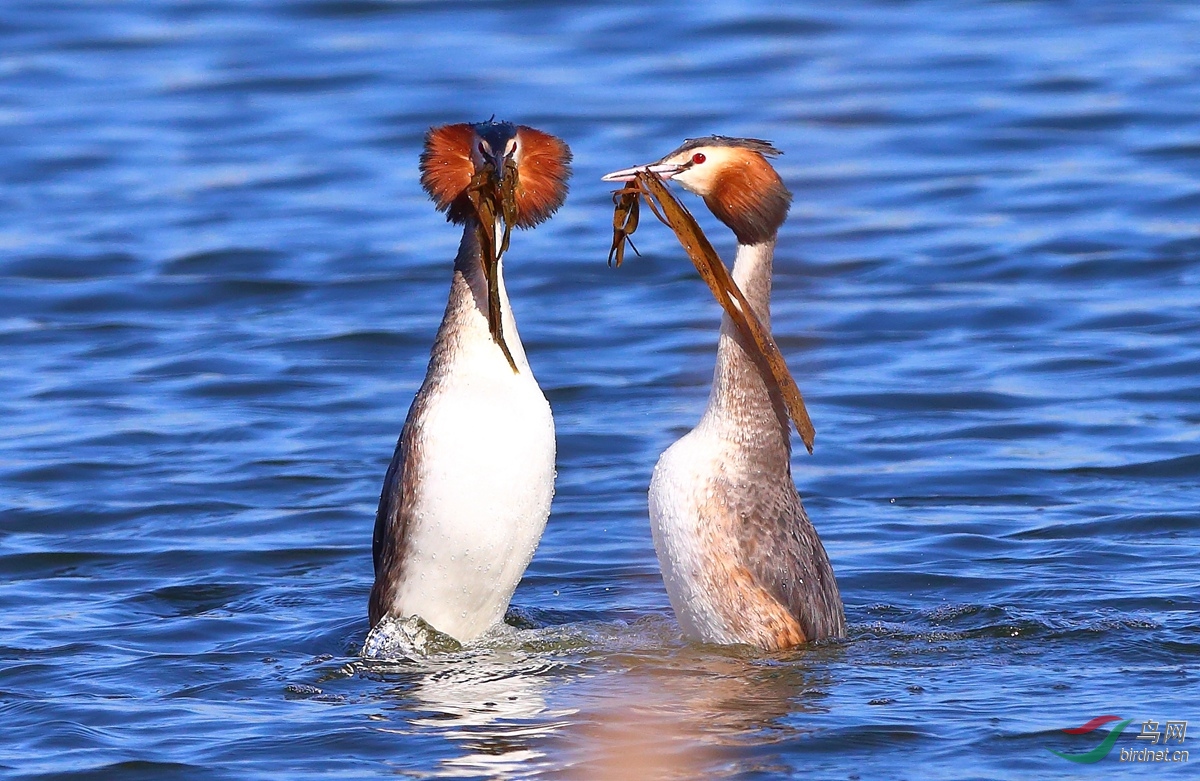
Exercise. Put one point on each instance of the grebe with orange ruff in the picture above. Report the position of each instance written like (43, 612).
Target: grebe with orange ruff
(740, 558)
(466, 497)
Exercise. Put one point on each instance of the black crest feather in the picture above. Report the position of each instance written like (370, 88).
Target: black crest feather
(764, 148)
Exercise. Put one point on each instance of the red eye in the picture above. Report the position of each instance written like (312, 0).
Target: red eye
(698, 158)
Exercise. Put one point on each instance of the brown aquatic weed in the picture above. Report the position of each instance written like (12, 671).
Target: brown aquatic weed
(493, 198)
(626, 202)
(649, 187)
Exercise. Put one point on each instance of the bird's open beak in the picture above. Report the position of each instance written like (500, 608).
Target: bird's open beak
(664, 171)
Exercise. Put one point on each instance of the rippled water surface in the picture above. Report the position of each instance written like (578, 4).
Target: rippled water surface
(219, 281)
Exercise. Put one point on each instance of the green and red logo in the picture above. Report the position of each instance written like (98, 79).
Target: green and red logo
(1101, 751)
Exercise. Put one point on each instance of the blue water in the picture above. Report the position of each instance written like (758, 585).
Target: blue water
(219, 281)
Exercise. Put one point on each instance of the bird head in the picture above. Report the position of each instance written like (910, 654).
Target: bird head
(454, 154)
(495, 175)
(734, 178)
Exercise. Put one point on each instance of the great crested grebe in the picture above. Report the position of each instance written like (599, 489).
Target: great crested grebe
(466, 497)
(741, 561)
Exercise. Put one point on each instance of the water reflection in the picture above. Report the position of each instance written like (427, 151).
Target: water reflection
(603, 702)
(490, 702)
(689, 714)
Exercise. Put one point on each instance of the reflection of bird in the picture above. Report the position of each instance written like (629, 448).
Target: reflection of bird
(491, 708)
(686, 714)
(467, 494)
(741, 561)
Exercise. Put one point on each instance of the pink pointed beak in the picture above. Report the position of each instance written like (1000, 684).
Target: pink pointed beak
(664, 171)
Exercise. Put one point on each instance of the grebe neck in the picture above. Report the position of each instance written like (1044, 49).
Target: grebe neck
(744, 403)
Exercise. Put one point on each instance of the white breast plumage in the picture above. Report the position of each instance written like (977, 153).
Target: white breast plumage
(486, 481)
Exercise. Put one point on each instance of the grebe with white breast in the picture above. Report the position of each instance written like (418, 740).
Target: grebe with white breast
(466, 497)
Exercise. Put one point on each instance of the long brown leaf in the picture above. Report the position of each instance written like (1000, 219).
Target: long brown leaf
(727, 293)
(484, 192)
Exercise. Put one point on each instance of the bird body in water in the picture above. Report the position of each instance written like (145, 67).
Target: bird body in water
(468, 492)
(741, 560)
